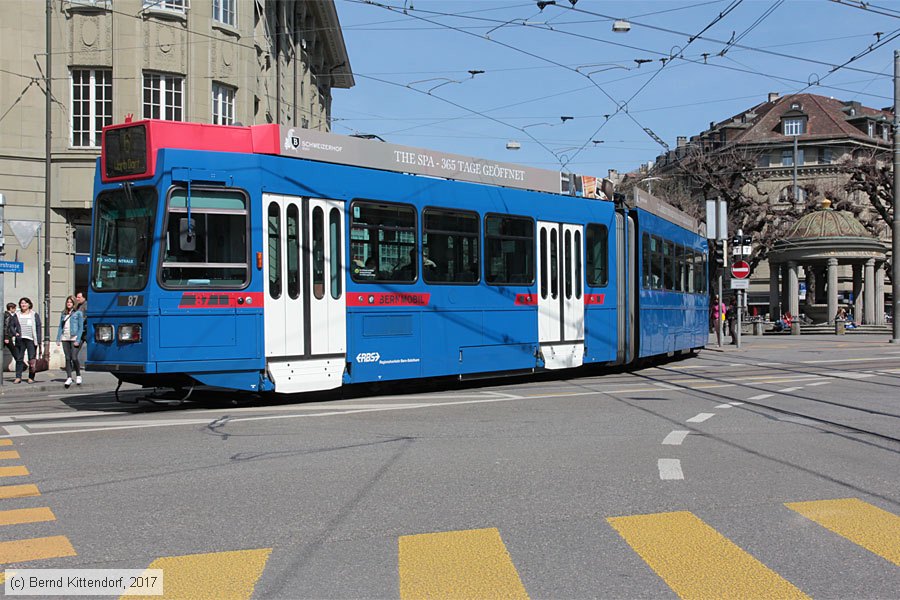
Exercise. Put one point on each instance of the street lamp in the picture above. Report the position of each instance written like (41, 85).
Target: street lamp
(650, 181)
(621, 26)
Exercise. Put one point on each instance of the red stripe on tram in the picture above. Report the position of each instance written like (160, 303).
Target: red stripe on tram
(221, 300)
(594, 298)
(526, 299)
(387, 299)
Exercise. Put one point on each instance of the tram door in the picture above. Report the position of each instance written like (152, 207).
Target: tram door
(305, 321)
(560, 294)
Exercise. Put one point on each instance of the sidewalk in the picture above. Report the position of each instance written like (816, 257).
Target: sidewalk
(53, 380)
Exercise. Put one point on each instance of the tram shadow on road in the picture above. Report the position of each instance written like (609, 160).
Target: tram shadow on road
(135, 399)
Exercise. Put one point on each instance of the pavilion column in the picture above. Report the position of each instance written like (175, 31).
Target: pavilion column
(879, 294)
(857, 292)
(785, 305)
(869, 293)
(774, 298)
(794, 289)
(832, 288)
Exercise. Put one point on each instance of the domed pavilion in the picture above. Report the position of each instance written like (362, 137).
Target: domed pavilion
(821, 242)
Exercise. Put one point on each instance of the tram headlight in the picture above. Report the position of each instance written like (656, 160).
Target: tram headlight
(130, 333)
(103, 333)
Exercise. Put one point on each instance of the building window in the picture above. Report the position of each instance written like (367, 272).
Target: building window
(763, 160)
(795, 126)
(222, 104)
(173, 5)
(163, 97)
(224, 11)
(871, 129)
(91, 106)
(787, 158)
(827, 156)
(885, 132)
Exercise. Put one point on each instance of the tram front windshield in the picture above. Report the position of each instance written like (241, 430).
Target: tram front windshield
(123, 231)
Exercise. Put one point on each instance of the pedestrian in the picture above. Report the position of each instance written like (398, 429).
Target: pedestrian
(71, 323)
(81, 306)
(11, 330)
(716, 316)
(731, 317)
(29, 337)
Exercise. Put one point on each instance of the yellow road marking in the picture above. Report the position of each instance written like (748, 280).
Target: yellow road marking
(457, 564)
(874, 529)
(18, 491)
(13, 471)
(696, 561)
(7, 454)
(26, 515)
(34, 549)
(217, 575)
(6, 442)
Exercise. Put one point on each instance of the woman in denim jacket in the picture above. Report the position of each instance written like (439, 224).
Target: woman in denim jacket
(71, 324)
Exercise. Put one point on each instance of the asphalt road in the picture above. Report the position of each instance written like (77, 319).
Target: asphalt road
(769, 471)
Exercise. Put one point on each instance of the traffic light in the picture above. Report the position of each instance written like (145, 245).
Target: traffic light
(718, 254)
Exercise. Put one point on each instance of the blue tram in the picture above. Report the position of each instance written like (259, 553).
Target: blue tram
(278, 260)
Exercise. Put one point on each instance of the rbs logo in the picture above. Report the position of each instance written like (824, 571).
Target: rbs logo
(367, 357)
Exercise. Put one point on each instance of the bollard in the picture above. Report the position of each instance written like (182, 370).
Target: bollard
(758, 327)
(839, 327)
(795, 328)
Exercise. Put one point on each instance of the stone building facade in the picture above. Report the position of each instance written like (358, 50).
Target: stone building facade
(210, 61)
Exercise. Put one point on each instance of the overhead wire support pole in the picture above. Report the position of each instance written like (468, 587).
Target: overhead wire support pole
(895, 231)
(48, 146)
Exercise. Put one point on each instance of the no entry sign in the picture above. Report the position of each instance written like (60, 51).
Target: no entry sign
(740, 269)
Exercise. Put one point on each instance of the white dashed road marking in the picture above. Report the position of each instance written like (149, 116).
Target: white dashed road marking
(670, 469)
(675, 438)
(793, 389)
(701, 417)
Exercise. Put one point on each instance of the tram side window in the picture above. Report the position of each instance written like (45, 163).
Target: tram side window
(383, 243)
(668, 266)
(680, 275)
(656, 250)
(647, 263)
(450, 246)
(598, 256)
(509, 250)
(207, 247)
(690, 265)
(702, 280)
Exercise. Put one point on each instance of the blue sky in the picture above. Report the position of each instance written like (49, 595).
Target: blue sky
(414, 86)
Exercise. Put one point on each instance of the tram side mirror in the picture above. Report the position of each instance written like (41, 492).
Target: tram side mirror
(187, 235)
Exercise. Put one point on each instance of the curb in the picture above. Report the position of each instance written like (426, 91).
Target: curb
(53, 381)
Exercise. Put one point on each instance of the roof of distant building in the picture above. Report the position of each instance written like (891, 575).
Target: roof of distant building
(827, 118)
